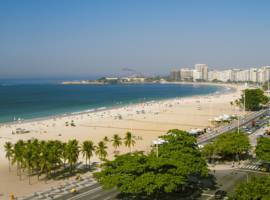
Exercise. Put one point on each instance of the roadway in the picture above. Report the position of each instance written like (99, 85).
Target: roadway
(94, 192)
(203, 139)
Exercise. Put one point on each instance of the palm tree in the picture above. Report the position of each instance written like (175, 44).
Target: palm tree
(101, 150)
(37, 157)
(28, 157)
(45, 164)
(9, 152)
(116, 141)
(64, 153)
(87, 150)
(129, 140)
(106, 139)
(73, 151)
(18, 156)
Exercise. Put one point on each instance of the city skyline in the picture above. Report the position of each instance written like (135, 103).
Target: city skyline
(202, 72)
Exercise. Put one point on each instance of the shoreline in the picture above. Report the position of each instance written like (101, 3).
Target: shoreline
(113, 107)
(144, 120)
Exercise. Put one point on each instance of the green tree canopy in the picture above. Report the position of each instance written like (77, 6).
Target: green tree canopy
(256, 189)
(263, 149)
(265, 85)
(253, 99)
(228, 145)
(178, 165)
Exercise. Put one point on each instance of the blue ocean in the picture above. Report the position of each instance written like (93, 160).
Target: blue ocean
(32, 100)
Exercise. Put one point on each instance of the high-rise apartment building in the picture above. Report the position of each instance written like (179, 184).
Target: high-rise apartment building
(226, 75)
(253, 73)
(186, 74)
(197, 75)
(264, 74)
(203, 71)
(175, 75)
(213, 75)
(256, 75)
(242, 75)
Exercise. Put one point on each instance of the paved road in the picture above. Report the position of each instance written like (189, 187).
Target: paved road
(210, 136)
(254, 136)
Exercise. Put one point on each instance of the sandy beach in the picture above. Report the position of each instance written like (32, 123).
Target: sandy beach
(146, 120)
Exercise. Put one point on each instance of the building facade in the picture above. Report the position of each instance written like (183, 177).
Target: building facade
(201, 72)
(202, 69)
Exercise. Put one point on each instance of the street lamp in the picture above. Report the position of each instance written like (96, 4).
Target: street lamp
(157, 142)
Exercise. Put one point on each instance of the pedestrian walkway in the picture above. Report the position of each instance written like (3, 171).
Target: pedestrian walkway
(73, 186)
(251, 166)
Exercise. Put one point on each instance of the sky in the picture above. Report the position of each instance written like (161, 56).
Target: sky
(84, 38)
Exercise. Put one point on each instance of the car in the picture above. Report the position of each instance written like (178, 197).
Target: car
(220, 194)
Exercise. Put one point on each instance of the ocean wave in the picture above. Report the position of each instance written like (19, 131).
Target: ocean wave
(84, 111)
(101, 108)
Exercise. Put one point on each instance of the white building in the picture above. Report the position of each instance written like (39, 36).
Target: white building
(203, 71)
(186, 74)
(242, 75)
(226, 75)
(264, 74)
(213, 75)
(197, 75)
(261, 76)
(253, 75)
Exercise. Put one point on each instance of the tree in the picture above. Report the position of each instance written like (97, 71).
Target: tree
(253, 99)
(257, 188)
(228, 145)
(28, 157)
(208, 150)
(179, 166)
(45, 161)
(18, 156)
(106, 139)
(265, 85)
(73, 151)
(263, 149)
(37, 152)
(101, 150)
(87, 150)
(9, 152)
(64, 153)
(129, 140)
(116, 141)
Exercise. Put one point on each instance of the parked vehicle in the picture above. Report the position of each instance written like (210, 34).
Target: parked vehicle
(220, 194)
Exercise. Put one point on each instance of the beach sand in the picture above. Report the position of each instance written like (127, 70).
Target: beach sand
(146, 120)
